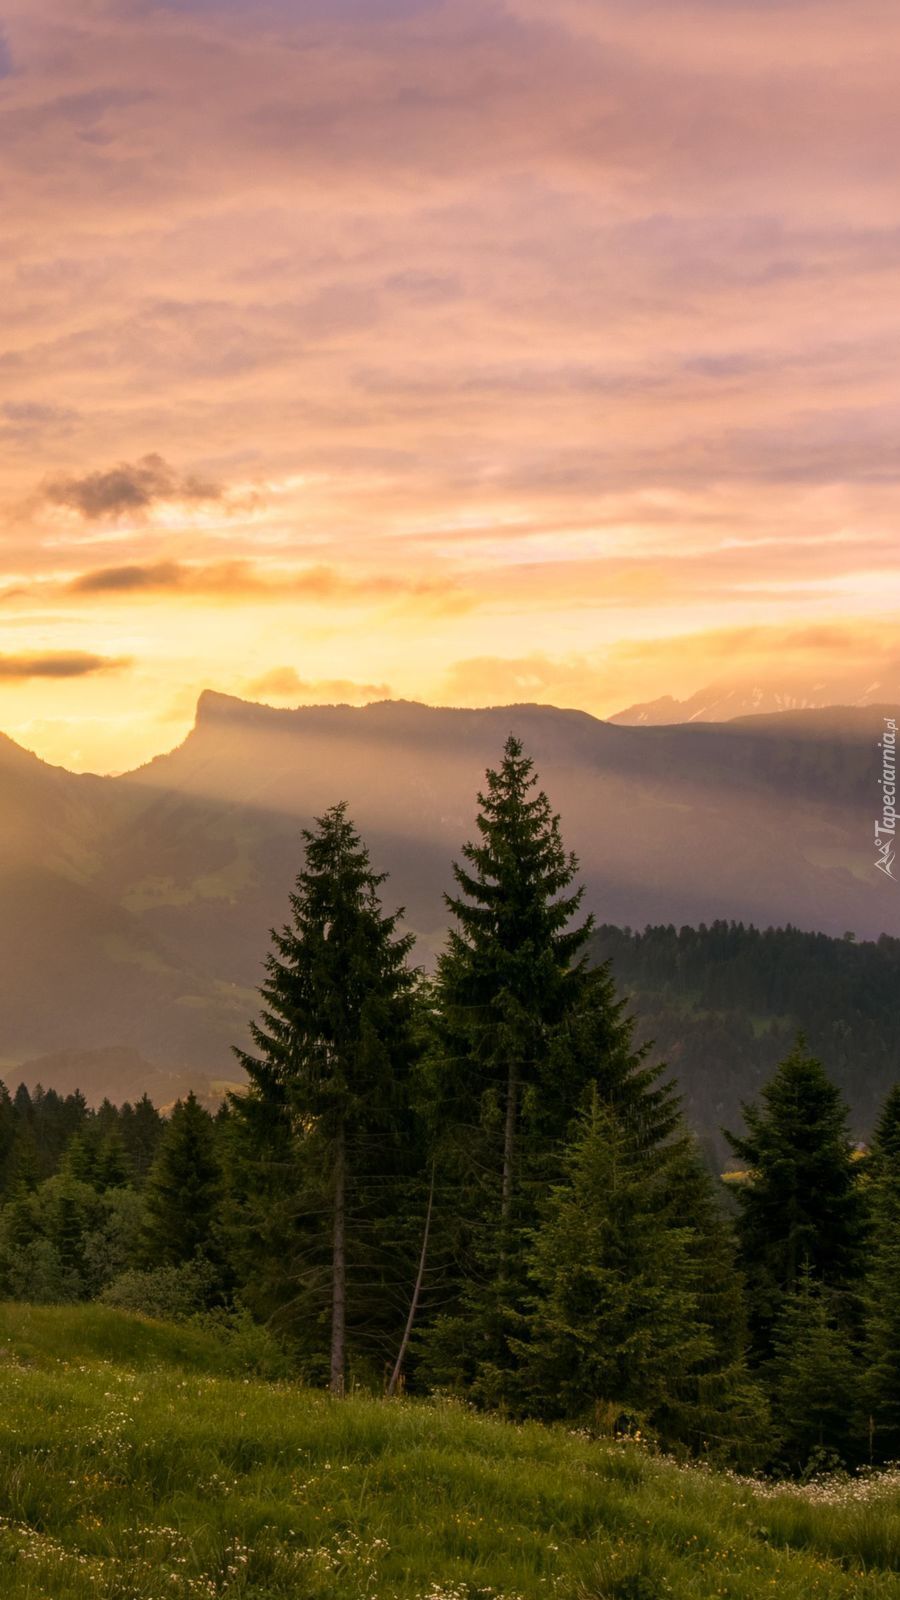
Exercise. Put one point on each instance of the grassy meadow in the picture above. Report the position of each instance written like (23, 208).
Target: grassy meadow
(137, 1463)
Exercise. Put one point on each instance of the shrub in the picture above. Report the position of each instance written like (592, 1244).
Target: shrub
(171, 1294)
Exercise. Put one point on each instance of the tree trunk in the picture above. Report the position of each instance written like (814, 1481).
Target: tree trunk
(339, 1268)
(509, 1141)
(414, 1303)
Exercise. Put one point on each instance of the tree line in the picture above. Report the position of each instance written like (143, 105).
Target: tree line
(479, 1184)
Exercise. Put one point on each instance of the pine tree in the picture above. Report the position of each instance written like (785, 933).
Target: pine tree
(513, 964)
(800, 1205)
(720, 1409)
(882, 1289)
(594, 1047)
(814, 1381)
(82, 1157)
(23, 1169)
(114, 1168)
(7, 1138)
(183, 1194)
(504, 1095)
(141, 1128)
(614, 1328)
(324, 1137)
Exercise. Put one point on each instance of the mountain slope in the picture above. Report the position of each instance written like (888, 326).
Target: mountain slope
(135, 911)
(769, 820)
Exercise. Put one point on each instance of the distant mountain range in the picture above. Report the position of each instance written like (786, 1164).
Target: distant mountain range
(134, 911)
(722, 702)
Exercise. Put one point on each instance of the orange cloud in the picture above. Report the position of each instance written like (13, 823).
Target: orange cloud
(284, 683)
(59, 664)
(604, 681)
(540, 332)
(244, 580)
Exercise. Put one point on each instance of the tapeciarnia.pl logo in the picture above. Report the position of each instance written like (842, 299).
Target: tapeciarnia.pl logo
(885, 830)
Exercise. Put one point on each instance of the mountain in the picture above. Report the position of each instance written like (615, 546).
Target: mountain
(720, 702)
(135, 911)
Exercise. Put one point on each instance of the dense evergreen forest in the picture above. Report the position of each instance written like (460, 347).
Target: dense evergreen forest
(482, 1184)
(723, 1004)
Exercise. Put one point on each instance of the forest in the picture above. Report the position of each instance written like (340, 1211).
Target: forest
(722, 1004)
(480, 1184)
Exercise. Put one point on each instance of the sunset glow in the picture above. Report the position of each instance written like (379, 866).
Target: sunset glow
(459, 352)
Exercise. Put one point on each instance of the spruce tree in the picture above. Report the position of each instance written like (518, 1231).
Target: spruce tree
(512, 971)
(593, 1047)
(183, 1195)
(23, 1168)
(8, 1124)
(141, 1128)
(514, 963)
(720, 1409)
(324, 1139)
(800, 1205)
(614, 1327)
(114, 1169)
(882, 1288)
(814, 1381)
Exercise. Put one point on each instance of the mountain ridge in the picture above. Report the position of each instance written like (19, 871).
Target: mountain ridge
(723, 701)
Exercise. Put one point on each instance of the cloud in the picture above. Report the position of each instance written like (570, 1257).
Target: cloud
(563, 325)
(34, 413)
(129, 487)
(604, 681)
(155, 578)
(246, 580)
(59, 664)
(284, 683)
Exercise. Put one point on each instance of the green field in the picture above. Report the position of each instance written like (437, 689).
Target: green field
(136, 1463)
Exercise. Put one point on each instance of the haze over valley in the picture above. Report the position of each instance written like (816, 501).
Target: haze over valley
(135, 911)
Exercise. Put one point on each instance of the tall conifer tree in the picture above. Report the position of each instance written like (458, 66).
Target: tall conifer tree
(882, 1290)
(183, 1194)
(800, 1206)
(325, 1133)
(814, 1381)
(514, 962)
(615, 1324)
(513, 969)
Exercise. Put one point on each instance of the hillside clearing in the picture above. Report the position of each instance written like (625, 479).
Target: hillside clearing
(134, 1467)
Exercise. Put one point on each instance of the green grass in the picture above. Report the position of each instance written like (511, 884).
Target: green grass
(134, 1465)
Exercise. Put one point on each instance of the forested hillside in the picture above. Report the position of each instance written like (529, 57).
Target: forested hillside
(722, 1004)
(479, 1182)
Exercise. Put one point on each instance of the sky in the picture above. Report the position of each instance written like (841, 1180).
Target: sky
(464, 352)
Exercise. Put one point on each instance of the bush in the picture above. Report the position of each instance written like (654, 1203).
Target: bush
(251, 1347)
(171, 1294)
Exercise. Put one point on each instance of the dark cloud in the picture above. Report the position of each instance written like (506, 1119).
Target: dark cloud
(130, 579)
(244, 580)
(59, 664)
(131, 486)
